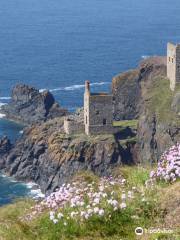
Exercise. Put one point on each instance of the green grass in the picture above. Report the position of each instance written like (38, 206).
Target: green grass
(136, 176)
(126, 123)
(92, 138)
(11, 227)
(159, 99)
(129, 140)
(120, 225)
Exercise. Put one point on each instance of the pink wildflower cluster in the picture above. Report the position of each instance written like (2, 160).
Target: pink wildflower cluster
(169, 165)
(82, 200)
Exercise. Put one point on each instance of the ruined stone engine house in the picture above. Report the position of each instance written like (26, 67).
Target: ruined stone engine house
(173, 65)
(98, 115)
(98, 112)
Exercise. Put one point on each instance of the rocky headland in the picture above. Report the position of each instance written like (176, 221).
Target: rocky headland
(28, 106)
(46, 155)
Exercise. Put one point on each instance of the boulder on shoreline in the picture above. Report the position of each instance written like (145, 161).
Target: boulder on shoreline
(28, 106)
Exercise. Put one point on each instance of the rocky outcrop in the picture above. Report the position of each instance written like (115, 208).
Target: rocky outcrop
(47, 156)
(5, 147)
(28, 105)
(128, 87)
(159, 122)
(126, 91)
(144, 93)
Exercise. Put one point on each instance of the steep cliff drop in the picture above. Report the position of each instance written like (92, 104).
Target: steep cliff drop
(145, 94)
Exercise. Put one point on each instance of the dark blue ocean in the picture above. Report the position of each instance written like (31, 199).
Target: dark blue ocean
(58, 44)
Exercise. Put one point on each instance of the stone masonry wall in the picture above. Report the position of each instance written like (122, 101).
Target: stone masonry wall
(73, 127)
(171, 65)
(100, 107)
(178, 64)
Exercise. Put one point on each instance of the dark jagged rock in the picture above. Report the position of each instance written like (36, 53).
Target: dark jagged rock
(145, 93)
(128, 87)
(47, 156)
(5, 147)
(28, 105)
(126, 91)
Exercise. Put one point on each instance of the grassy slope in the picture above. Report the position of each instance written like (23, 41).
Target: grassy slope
(159, 99)
(151, 213)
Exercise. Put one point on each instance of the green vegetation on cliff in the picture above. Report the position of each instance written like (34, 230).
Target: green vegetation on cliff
(159, 99)
(126, 123)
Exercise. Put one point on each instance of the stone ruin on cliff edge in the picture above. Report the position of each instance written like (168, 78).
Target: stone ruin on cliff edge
(173, 65)
(98, 115)
(98, 107)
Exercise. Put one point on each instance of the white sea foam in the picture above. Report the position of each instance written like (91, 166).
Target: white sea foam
(35, 191)
(11, 179)
(42, 90)
(36, 194)
(145, 56)
(1, 104)
(3, 175)
(2, 115)
(30, 185)
(5, 98)
(21, 132)
(74, 87)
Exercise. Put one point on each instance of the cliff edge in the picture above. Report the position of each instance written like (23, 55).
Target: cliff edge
(144, 94)
(46, 155)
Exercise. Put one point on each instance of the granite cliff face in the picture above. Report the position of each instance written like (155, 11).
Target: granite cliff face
(126, 90)
(28, 105)
(47, 156)
(5, 147)
(149, 97)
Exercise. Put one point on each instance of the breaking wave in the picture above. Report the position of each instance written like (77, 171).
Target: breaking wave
(35, 191)
(1, 114)
(5, 98)
(1, 104)
(145, 56)
(20, 189)
(74, 87)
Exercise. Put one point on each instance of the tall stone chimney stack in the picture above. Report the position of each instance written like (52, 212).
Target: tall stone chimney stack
(87, 86)
(173, 64)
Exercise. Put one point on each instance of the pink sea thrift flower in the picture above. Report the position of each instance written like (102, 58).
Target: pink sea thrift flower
(123, 205)
(169, 165)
